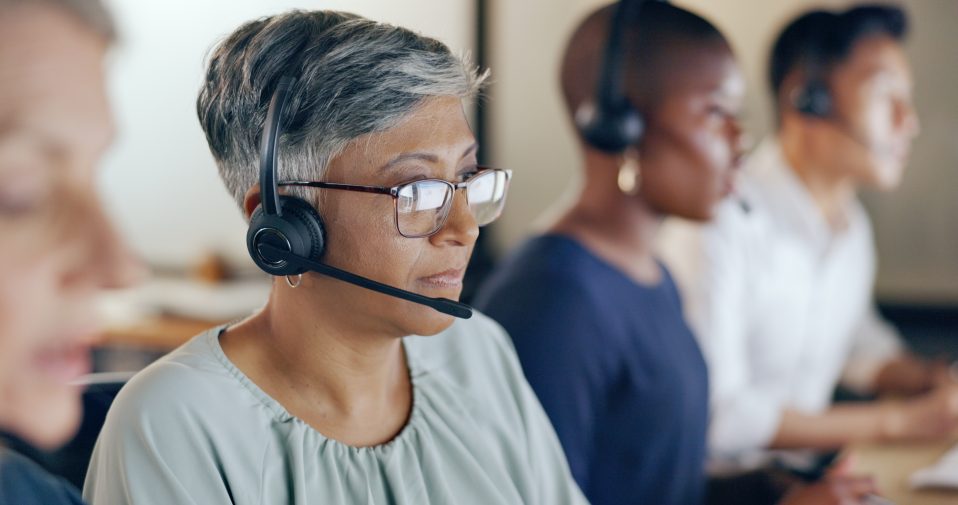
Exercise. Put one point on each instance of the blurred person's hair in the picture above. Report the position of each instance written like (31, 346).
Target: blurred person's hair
(818, 40)
(354, 76)
(91, 13)
(650, 44)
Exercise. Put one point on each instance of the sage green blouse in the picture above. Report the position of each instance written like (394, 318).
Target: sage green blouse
(193, 429)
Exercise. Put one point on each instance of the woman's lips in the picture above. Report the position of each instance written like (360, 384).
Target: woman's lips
(64, 363)
(451, 278)
(67, 357)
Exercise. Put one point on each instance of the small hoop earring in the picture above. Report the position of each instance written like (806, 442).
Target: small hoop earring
(299, 280)
(630, 175)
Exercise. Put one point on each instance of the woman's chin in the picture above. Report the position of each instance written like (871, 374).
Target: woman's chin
(46, 417)
(699, 214)
(424, 321)
(435, 323)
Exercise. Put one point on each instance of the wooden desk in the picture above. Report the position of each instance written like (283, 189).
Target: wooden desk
(163, 333)
(892, 465)
(165, 312)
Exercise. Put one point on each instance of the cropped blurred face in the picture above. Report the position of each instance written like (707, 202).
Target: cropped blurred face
(693, 138)
(872, 93)
(58, 250)
(433, 142)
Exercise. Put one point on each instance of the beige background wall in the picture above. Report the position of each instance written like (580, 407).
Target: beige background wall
(916, 227)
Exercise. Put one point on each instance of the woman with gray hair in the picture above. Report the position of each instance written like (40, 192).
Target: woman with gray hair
(333, 393)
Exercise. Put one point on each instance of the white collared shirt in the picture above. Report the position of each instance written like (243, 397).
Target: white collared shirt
(780, 303)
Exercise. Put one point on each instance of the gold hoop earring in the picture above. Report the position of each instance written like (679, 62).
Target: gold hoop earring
(299, 280)
(630, 175)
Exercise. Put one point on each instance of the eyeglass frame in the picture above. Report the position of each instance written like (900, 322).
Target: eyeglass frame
(393, 191)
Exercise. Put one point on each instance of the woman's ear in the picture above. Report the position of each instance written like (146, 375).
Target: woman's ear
(251, 200)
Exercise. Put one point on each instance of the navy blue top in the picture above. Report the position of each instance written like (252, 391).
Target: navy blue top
(23, 482)
(615, 366)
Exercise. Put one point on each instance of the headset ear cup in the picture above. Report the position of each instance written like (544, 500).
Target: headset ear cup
(814, 100)
(259, 227)
(610, 129)
(299, 230)
(309, 225)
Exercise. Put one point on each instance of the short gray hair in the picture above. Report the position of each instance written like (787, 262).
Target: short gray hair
(91, 13)
(354, 76)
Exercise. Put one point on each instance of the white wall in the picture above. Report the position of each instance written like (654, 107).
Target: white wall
(159, 179)
(916, 227)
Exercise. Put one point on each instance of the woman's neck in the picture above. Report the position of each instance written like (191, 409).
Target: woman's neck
(618, 228)
(351, 385)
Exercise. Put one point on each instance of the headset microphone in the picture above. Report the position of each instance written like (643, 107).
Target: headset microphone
(286, 234)
(444, 305)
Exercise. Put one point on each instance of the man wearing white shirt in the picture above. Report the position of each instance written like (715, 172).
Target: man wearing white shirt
(778, 287)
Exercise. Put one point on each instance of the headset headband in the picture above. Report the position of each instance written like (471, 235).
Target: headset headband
(273, 128)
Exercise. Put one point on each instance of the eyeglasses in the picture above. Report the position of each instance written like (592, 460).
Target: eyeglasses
(422, 206)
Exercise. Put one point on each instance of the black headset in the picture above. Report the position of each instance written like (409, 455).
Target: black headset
(610, 122)
(282, 222)
(814, 98)
(286, 235)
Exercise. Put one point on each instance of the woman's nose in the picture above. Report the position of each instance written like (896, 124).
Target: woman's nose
(103, 260)
(461, 226)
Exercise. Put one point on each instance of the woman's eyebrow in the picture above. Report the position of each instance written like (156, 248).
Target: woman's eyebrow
(469, 150)
(423, 156)
(429, 157)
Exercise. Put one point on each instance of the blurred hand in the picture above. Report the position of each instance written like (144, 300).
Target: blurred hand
(843, 490)
(932, 416)
(944, 372)
(909, 375)
(837, 488)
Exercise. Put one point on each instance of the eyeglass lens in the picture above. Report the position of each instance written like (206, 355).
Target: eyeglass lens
(422, 206)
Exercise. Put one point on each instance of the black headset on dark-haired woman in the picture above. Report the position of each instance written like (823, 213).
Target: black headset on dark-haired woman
(610, 122)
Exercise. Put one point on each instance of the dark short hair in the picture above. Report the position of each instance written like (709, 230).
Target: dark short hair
(649, 45)
(826, 38)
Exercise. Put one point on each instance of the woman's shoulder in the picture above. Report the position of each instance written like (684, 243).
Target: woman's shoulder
(191, 365)
(182, 419)
(194, 381)
(553, 264)
(547, 257)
